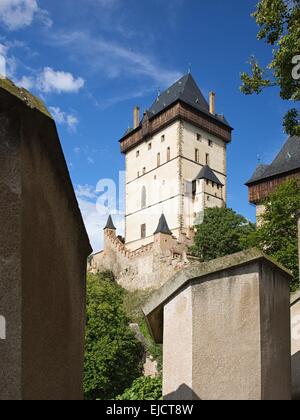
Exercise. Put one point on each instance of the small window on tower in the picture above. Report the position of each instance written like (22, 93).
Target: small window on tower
(199, 137)
(208, 198)
(210, 143)
(143, 231)
(163, 138)
(168, 154)
(137, 153)
(197, 155)
(138, 174)
(149, 146)
(144, 171)
(158, 159)
(207, 159)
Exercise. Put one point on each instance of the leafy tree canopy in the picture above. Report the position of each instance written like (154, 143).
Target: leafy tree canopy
(277, 233)
(144, 388)
(113, 355)
(220, 234)
(279, 23)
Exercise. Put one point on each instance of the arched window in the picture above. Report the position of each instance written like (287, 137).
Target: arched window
(158, 159)
(168, 154)
(144, 198)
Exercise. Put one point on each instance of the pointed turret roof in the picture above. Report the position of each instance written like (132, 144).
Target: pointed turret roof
(288, 160)
(163, 226)
(110, 224)
(207, 173)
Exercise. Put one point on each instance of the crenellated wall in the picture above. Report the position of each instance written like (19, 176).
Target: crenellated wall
(148, 267)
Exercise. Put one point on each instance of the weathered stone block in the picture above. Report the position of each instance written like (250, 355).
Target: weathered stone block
(225, 328)
(43, 251)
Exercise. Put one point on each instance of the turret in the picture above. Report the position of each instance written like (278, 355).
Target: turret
(163, 237)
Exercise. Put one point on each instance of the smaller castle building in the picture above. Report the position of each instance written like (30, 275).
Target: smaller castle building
(266, 178)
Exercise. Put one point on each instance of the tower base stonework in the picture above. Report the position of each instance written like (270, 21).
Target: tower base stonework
(225, 329)
(43, 252)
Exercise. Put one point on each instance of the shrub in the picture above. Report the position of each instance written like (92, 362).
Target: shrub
(144, 388)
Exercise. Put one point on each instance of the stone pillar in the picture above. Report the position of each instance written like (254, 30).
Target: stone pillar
(225, 328)
(43, 251)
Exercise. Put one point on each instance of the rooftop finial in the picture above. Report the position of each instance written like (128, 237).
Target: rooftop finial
(190, 68)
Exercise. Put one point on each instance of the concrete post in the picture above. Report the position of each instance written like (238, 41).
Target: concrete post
(225, 328)
(43, 251)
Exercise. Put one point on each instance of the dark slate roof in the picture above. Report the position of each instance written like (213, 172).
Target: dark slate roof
(163, 226)
(187, 91)
(288, 160)
(207, 173)
(258, 173)
(110, 224)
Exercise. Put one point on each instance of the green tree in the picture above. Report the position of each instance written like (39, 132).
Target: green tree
(220, 234)
(279, 23)
(143, 389)
(113, 355)
(277, 234)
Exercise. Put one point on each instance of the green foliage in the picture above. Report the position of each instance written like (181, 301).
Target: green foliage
(144, 388)
(220, 234)
(113, 355)
(279, 26)
(277, 234)
(133, 301)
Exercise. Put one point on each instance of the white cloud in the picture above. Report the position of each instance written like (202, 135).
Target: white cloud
(26, 82)
(71, 121)
(113, 58)
(17, 14)
(86, 191)
(58, 81)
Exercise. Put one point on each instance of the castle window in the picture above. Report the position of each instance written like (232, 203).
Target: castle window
(144, 170)
(143, 231)
(208, 198)
(149, 146)
(158, 159)
(213, 185)
(210, 143)
(199, 137)
(137, 153)
(207, 159)
(138, 174)
(143, 197)
(197, 155)
(163, 138)
(218, 186)
(168, 154)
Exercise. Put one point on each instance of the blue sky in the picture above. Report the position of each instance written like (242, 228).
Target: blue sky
(92, 61)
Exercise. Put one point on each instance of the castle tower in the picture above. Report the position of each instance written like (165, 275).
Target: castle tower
(165, 153)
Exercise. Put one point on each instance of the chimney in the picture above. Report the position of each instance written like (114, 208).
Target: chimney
(212, 103)
(136, 117)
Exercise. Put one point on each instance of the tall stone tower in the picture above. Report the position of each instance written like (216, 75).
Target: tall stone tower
(175, 163)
